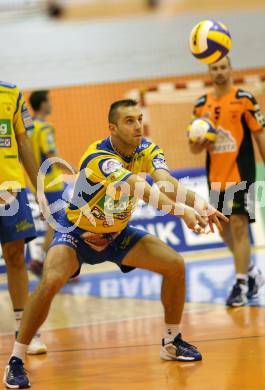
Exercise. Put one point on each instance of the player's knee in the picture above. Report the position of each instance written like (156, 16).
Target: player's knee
(14, 257)
(52, 282)
(239, 228)
(175, 267)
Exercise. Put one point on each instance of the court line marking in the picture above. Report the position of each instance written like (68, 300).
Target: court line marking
(210, 307)
(115, 320)
(147, 345)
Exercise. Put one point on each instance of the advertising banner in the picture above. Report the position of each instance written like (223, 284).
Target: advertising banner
(168, 228)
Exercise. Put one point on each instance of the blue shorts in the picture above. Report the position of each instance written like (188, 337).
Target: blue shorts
(20, 225)
(52, 196)
(115, 251)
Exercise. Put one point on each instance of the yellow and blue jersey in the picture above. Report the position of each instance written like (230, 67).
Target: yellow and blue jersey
(100, 166)
(44, 143)
(14, 120)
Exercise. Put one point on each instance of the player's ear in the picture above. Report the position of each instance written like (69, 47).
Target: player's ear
(112, 128)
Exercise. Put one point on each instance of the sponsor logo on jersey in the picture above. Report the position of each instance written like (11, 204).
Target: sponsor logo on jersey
(5, 142)
(27, 120)
(110, 166)
(145, 144)
(5, 127)
(98, 213)
(225, 142)
(159, 162)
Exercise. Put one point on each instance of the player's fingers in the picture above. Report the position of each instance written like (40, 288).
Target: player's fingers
(211, 225)
(201, 221)
(203, 141)
(198, 229)
(221, 216)
(216, 221)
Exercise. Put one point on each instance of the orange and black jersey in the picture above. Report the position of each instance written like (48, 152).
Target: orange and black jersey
(235, 115)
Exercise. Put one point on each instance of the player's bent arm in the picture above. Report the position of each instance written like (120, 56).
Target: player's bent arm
(177, 192)
(26, 155)
(139, 188)
(260, 140)
(152, 195)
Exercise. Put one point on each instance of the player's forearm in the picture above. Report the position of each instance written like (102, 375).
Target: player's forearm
(28, 160)
(153, 196)
(181, 194)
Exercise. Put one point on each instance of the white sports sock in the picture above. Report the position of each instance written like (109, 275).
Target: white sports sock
(18, 315)
(171, 331)
(242, 277)
(19, 350)
(253, 271)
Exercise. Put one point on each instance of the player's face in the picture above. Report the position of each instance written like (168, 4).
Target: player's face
(47, 106)
(129, 125)
(220, 71)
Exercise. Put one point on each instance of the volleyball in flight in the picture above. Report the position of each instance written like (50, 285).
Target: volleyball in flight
(202, 128)
(210, 41)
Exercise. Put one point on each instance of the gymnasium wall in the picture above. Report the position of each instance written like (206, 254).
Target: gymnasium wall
(80, 117)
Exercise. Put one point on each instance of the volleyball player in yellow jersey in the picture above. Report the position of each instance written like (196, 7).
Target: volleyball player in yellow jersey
(16, 223)
(44, 145)
(94, 228)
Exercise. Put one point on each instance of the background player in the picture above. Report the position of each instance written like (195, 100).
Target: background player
(100, 230)
(230, 160)
(17, 226)
(44, 145)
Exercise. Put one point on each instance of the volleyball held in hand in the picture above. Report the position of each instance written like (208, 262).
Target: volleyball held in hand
(202, 128)
(210, 41)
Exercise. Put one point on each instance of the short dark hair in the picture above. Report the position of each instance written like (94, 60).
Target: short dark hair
(37, 98)
(228, 61)
(116, 105)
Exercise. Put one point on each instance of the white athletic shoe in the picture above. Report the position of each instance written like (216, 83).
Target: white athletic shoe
(36, 347)
(180, 350)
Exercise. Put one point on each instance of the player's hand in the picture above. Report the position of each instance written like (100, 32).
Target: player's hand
(194, 221)
(214, 217)
(203, 142)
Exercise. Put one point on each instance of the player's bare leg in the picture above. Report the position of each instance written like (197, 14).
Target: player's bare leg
(36, 265)
(248, 277)
(241, 243)
(17, 276)
(61, 263)
(227, 235)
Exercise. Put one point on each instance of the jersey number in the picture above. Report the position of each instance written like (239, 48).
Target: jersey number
(217, 112)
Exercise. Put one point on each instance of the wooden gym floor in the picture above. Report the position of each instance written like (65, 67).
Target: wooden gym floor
(99, 343)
